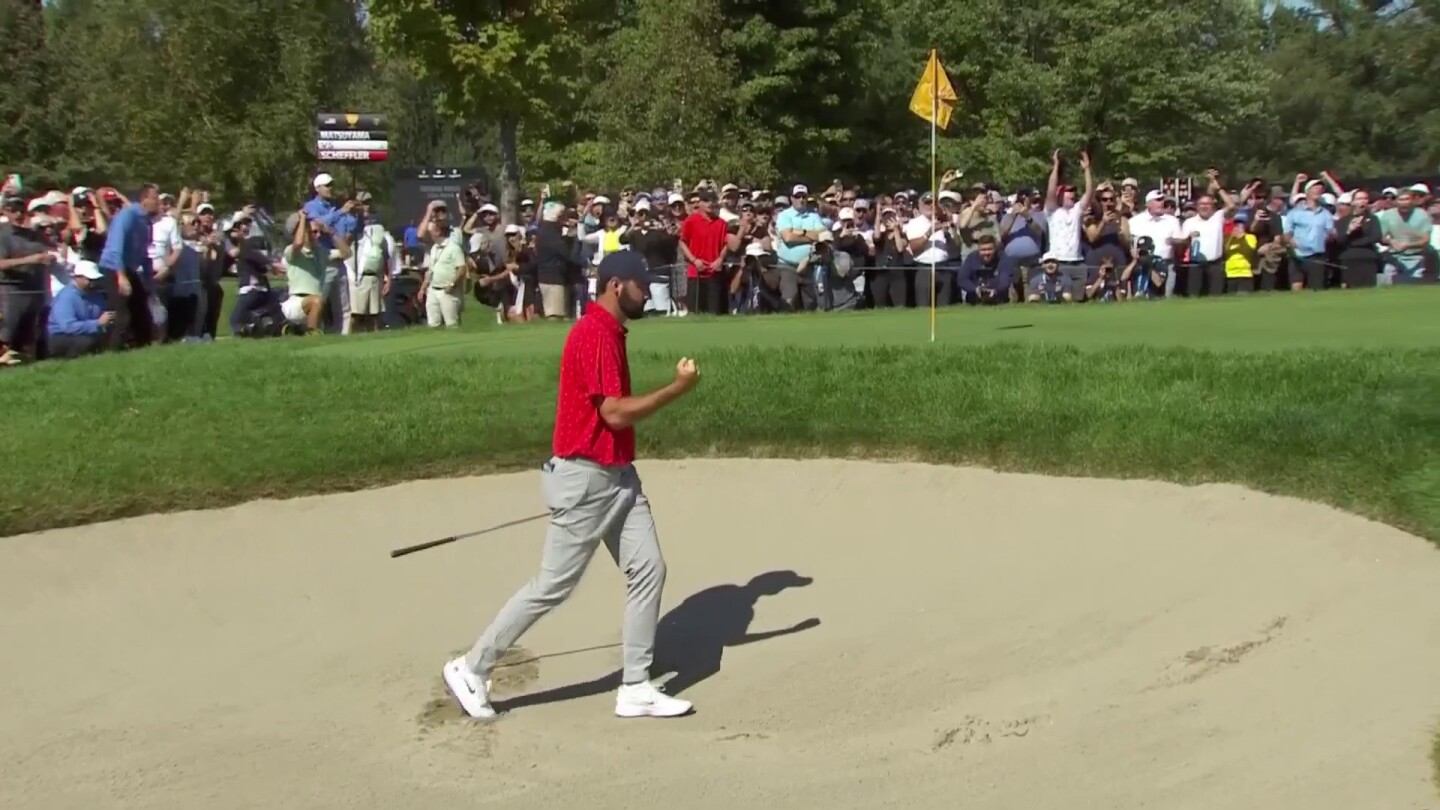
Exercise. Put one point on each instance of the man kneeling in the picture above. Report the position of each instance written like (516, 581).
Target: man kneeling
(985, 275)
(77, 316)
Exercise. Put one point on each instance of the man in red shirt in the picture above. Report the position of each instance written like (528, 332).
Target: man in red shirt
(594, 496)
(703, 244)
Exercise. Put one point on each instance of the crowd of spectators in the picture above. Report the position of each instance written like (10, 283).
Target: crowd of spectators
(92, 270)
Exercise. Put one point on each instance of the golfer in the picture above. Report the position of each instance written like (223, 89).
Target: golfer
(594, 496)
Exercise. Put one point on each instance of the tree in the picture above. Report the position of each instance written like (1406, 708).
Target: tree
(516, 63)
(24, 64)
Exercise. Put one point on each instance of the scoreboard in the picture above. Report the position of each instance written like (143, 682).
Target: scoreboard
(351, 137)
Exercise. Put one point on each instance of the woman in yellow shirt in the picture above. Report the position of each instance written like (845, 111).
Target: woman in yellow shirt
(1242, 250)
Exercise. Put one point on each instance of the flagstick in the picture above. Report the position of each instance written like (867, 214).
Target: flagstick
(934, 193)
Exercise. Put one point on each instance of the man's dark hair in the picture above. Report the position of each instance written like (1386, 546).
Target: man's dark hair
(985, 239)
(146, 190)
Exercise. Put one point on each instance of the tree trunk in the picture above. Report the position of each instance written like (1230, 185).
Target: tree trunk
(509, 169)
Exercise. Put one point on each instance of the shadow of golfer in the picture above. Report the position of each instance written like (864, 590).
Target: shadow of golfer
(691, 638)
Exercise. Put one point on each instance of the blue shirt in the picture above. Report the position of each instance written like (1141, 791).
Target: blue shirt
(412, 237)
(76, 313)
(1309, 228)
(792, 220)
(319, 209)
(127, 242)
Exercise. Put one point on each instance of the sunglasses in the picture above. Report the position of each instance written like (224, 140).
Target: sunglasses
(1107, 199)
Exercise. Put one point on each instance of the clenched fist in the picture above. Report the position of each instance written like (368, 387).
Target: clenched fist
(687, 374)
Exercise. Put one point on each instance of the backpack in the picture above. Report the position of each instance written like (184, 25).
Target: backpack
(377, 259)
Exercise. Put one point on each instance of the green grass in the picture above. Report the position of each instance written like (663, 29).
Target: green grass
(1329, 397)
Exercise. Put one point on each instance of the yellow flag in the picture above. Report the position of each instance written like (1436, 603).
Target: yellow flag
(934, 94)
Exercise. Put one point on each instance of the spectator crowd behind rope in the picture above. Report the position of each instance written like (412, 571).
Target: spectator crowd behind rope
(93, 270)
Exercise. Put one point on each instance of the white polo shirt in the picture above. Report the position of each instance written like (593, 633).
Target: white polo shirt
(936, 252)
(1160, 229)
(1211, 241)
(1065, 233)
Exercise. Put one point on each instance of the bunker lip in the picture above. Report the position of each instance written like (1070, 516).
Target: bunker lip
(852, 634)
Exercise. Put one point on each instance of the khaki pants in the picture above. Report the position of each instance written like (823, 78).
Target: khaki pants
(442, 308)
(552, 300)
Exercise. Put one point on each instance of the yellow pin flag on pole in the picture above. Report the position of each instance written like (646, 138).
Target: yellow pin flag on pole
(933, 100)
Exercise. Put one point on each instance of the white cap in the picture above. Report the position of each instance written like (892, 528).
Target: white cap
(847, 213)
(513, 228)
(1420, 188)
(43, 221)
(79, 191)
(1314, 183)
(323, 179)
(729, 187)
(642, 205)
(1346, 198)
(203, 207)
(755, 249)
(55, 198)
(952, 196)
(487, 208)
(781, 199)
(887, 210)
(862, 204)
(1296, 197)
(1327, 198)
(1154, 194)
(1049, 257)
(897, 195)
(600, 200)
(38, 203)
(800, 188)
(1129, 181)
(1012, 198)
(825, 236)
(1391, 190)
(88, 269)
(527, 201)
(675, 197)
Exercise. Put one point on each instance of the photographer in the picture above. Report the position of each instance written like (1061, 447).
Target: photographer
(1144, 276)
(845, 286)
(1050, 286)
(986, 274)
(890, 279)
(1105, 286)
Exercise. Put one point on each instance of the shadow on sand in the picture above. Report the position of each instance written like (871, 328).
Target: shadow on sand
(691, 638)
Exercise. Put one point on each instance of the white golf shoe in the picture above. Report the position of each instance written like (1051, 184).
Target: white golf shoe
(646, 700)
(465, 685)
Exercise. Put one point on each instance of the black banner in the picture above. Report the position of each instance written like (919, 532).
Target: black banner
(415, 187)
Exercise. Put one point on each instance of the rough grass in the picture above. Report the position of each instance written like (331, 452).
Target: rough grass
(199, 426)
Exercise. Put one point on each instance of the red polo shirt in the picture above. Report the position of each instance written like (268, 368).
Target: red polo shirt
(705, 237)
(593, 367)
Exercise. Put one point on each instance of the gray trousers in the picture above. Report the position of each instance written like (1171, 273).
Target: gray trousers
(588, 504)
(1079, 275)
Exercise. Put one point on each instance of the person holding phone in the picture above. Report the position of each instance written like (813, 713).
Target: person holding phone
(1358, 237)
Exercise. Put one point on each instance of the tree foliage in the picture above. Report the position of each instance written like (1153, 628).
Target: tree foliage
(621, 92)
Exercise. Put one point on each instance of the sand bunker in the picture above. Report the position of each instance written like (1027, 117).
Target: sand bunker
(985, 640)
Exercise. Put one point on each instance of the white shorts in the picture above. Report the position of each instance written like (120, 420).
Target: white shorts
(292, 310)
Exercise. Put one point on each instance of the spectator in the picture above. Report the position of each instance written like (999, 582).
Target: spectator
(25, 260)
(555, 260)
(1406, 229)
(986, 274)
(1242, 252)
(930, 246)
(1022, 233)
(255, 302)
(1204, 234)
(443, 288)
(1267, 226)
(1050, 286)
(891, 277)
(89, 220)
(1160, 227)
(1358, 237)
(703, 245)
(1105, 284)
(1144, 276)
(1308, 229)
(306, 259)
(182, 281)
(375, 261)
(126, 263)
(210, 242)
(1065, 211)
(78, 319)
(330, 221)
(1107, 235)
(659, 246)
(798, 228)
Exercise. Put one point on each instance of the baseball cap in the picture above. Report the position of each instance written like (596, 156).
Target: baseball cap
(952, 196)
(1420, 188)
(1154, 194)
(88, 269)
(1346, 198)
(926, 197)
(513, 228)
(527, 203)
(487, 208)
(79, 191)
(363, 196)
(203, 207)
(1049, 258)
(1327, 198)
(1145, 244)
(1314, 183)
(1129, 181)
(825, 236)
(642, 205)
(600, 200)
(675, 197)
(323, 179)
(847, 213)
(627, 265)
(862, 204)
(799, 189)
(1278, 190)
(728, 187)
(781, 199)
(1242, 217)
(1389, 191)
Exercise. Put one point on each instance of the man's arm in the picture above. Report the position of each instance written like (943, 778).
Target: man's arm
(1053, 186)
(624, 412)
(102, 220)
(112, 257)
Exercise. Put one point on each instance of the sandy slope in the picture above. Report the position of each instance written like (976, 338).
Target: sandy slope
(986, 641)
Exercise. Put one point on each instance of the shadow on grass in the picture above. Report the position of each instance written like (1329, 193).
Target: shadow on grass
(691, 638)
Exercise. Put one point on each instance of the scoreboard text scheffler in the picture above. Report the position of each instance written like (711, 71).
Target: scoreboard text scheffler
(351, 137)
